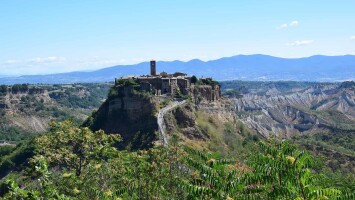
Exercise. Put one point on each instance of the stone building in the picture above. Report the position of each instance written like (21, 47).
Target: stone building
(164, 83)
(178, 83)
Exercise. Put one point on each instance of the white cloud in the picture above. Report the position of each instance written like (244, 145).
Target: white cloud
(98, 62)
(48, 59)
(284, 26)
(287, 25)
(294, 23)
(39, 65)
(38, 60)
(9, 62)
(300, 43)
(352, 37)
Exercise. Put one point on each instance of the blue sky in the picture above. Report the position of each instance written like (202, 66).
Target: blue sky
(41, 36)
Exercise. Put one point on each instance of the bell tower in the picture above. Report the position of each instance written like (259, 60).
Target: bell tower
(153, 68)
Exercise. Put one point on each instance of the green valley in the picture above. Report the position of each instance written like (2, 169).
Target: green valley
(211, 153)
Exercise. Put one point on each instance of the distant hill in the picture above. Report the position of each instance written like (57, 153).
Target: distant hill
(26, 110)
(241, 67)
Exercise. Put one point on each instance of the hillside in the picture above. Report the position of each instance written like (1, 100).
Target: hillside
(209, 153)
(318, 116)
(297, 110)
(241, 67)
(26, 109)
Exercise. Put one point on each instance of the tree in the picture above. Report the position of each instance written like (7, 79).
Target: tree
(76, 163)
(193, 79)
(73, 148)
(3, 89)
(283, 171)
(46, 188)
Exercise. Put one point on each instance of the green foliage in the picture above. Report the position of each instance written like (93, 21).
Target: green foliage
(212, 178)
(337, 151)
(347, 84)
(207, 81)
(5, 150)
(164, 103)
(69, 97)
(178, 95)
(73, 147)
(3, 89)
(142, 140)
(194, 79)
(283, 168)
(120, 84)
(279, 171)
(19, 88)
(46, 190)
(76, 163)
(340, 141)
(17, 158)
(112, 93)
(12, 133)
(127, 82)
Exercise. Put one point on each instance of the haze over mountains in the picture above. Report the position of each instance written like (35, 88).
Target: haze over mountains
(242, 67)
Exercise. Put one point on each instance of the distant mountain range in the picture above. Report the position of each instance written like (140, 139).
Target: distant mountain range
(241, 67)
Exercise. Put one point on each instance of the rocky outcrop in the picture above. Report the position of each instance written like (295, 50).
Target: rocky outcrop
(208, 99)
(206, 93)
(132, 115)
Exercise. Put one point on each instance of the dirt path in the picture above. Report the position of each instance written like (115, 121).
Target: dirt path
(161, 123)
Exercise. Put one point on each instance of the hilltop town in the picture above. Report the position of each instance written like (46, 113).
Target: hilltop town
(178, 83)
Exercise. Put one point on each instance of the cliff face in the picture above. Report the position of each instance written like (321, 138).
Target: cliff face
(131, 114)
(134, 110)
(17, 110)
(208, 99)
(206, 93)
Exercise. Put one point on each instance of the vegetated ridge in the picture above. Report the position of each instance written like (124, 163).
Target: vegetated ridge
(26, 109)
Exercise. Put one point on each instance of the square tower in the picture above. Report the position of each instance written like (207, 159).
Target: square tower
(153, 68)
